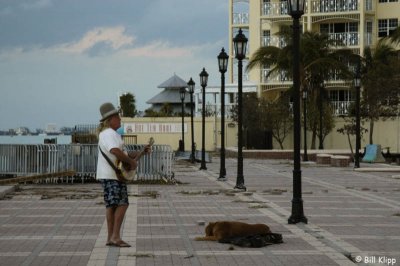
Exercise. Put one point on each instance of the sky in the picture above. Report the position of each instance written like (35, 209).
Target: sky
(61, 59)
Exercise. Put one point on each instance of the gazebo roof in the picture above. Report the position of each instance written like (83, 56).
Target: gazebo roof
(173, 82)
(168, 96)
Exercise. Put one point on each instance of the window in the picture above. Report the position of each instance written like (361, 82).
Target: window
(340, 95)
(266, 38)
(387, 1)
(340, 101)
(386, 26)
(339, 27)
(369, 26)
(266, 7)
(368, 36)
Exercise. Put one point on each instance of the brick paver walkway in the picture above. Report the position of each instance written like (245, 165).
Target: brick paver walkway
(354, 219)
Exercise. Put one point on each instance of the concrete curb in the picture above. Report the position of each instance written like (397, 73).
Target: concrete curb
(375, 169)
(4, 190)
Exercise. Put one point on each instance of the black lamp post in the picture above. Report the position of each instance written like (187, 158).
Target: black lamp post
(296, 10)
(191, 91)
(305, 155)
(182, 96)
(240, 45)
(321, 112)
(223, 65)
(203, 82)
(357, 85)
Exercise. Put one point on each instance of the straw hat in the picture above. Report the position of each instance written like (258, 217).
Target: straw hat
(107, 110)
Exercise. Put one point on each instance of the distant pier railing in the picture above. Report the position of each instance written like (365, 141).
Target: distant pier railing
(24, 160)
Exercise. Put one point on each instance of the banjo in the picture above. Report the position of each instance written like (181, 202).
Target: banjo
(125, 172)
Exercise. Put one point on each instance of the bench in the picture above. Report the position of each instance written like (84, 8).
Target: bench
(324, 158)
(340, 161)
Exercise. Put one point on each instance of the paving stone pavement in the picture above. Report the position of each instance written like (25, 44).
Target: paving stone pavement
(353, 219)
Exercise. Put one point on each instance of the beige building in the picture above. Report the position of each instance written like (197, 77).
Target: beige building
(358, 23)
(167, 131)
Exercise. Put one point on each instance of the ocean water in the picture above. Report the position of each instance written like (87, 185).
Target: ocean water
(61, 139)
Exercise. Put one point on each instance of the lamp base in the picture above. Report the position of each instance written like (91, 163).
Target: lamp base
(240, 187)
(295, 220)
(297, 212)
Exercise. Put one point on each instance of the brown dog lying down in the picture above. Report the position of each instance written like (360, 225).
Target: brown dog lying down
(217, 231)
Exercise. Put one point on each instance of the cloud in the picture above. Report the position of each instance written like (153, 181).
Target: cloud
(39, 4)
(158, 49)
(14, 7)
(114, 37)
(100, 41)
(106, 41)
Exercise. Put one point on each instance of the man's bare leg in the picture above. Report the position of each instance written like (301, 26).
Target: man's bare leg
(119, 215)
(110, 212)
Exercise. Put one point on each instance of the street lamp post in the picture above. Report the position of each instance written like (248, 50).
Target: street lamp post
(203, 82)
(305, 155)
(296, 10)
(182, 96)
(223, 65)
(321, 112)
(191, 91)
(357, 85)
(240, 45)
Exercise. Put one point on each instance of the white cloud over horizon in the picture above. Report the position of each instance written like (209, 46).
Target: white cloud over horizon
(64, 79)
(112, 36)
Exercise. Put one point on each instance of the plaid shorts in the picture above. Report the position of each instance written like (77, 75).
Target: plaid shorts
(115, 193)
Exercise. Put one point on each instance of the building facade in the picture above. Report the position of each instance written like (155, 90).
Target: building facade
(357, 23)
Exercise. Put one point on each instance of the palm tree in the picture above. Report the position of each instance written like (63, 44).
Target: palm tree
(380, 79)
(317, 62)
(394, 37)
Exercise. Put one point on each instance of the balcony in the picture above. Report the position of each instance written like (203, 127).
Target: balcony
(347, 38)
(272, 41)
(332, 6)
(340, 107)
(276, 77)
(275, 9)
(240, 18)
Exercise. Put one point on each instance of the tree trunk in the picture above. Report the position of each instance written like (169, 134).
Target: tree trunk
(314, 136)
(281, 144)
(371, 131)
(351, 146)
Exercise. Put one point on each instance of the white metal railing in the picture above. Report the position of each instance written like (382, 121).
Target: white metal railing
(19, 159)
(275, 8)
(340, 107)
(281, 8)
(266, 41)
(329, 6)
(240, 18)
(276, 77)
(347, 38)
(273, 41)
(155, 165)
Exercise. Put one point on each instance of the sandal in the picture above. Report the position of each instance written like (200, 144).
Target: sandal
(120, 244)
